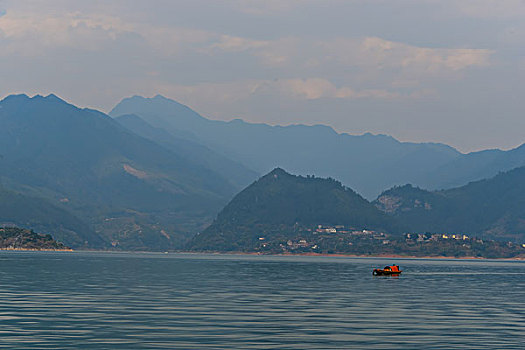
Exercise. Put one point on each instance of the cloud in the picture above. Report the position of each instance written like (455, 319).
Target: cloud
(31, 34)
(238, 44)
(367, 54)
(298, 89)
(316, 88)
(270, 52)
(491, 9)
(374, 52)
(374, 61)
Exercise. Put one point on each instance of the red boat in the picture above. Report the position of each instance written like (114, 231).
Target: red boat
(387, 271)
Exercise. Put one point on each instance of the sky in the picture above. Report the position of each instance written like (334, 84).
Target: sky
(450, 71)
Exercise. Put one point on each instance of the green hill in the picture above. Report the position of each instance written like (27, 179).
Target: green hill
(279, 204)
(17, 238)
(493, 208)
(43, 216)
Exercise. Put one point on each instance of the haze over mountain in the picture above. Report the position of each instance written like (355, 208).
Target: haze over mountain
(493, 208)
(238, 175)
(474, 166)
(132, 192)
(367, 163)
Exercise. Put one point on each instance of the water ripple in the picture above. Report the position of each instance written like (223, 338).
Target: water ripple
(157, 301)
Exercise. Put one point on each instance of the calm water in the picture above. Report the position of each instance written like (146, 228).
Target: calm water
(177, 301)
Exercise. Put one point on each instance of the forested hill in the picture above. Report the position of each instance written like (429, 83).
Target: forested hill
(493, 208)
(42, 215)
(13, 238)
(279, 204)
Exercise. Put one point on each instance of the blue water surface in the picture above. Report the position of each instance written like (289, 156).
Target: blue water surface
(91, 300)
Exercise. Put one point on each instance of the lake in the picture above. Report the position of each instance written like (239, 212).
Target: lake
(93, 300)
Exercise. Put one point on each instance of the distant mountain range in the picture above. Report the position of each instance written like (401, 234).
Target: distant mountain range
(367, 163)
(493, 208)
(157, 173)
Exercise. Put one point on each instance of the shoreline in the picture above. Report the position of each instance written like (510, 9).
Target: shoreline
(382, 256)
(334, 255)
(37, 250)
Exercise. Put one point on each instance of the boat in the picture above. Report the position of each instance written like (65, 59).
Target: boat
(390, 270)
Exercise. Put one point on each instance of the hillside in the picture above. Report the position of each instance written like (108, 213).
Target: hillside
(474, 166)
(13, 238)
(279, 205)
(235, 173)
(132, 192)
(493, 208)
(43, 216)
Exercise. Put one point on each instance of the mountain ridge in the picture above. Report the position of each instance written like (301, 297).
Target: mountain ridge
(367, 163)
(493, 208)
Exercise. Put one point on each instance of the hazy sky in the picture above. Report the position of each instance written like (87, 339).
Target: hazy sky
(419, 70)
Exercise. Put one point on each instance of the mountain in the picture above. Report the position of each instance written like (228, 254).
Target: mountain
(235, 173)
(279, 204)
(367, 163)
(43, 216)
(492, 208)
(474, 166)
(132, 192)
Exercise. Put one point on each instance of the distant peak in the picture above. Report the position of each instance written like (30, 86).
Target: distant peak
(25, 97)
(53, 97)
(15, 97)
(160, 97)
(157, 105)
(134, 97)
(156, 98)
(277, 172)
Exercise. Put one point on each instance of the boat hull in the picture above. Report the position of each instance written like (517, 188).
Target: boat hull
(379, 272)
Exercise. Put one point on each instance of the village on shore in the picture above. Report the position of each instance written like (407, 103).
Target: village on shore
(334, 239)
